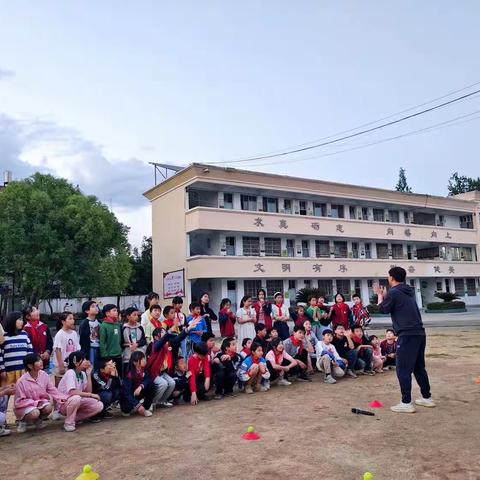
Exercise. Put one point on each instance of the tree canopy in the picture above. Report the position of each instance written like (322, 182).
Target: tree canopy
(462, 184)
(141, 279)
(53, 238)
(402, 185)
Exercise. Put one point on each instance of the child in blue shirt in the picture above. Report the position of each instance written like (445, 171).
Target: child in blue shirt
(195, 334)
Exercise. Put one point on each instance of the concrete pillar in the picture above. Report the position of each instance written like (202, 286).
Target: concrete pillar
(364, 291)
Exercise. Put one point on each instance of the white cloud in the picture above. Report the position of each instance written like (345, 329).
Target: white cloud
(26, 147)
(6, 73)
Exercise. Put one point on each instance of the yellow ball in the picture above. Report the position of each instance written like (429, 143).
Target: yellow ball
(87, 469)
(368, 476)
(250, 429)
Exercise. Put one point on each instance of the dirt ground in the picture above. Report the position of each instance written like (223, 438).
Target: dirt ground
(307, 431)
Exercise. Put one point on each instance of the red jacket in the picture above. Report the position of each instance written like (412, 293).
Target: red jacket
(197, 366)
(41, 339)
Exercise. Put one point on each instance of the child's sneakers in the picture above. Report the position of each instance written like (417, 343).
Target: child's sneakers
(56, 415)
(21, 427)
(351, 373)
(40, 424)
(69, 428)
(248, 389)
(4, 431)
(403, 408)
(329, 379)
(147, 413)
(263, 388)
(370, 373)
(425, 402)
(283, 382)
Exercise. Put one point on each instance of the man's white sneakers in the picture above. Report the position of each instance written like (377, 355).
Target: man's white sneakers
(425, 402)
(403, 408)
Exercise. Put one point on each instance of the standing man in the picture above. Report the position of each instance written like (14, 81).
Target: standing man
(407, 322)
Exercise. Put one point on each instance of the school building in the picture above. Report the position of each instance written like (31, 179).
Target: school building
(229, 232)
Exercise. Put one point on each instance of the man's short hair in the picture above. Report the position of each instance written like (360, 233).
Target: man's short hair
(399, 274)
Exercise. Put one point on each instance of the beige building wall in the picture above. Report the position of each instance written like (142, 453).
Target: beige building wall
(169, 249)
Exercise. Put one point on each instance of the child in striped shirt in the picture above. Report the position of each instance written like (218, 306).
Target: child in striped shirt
(15, 347)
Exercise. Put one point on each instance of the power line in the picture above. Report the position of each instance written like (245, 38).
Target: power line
(437, 126)
(363, 132)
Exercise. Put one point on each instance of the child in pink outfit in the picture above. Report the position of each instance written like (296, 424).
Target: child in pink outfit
(76, 384)
(377, 358)
(34, 393)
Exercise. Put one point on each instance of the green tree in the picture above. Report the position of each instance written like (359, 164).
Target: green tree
(141, 278)
(462, 184)
(402, 185)
(53, 238)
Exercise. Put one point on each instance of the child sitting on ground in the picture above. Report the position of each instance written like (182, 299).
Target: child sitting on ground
(299, 348)
(253, 370)
(180, 377)
(389, 349)
(377, 358)
(195, 334)
(328, 359)
(106, 384)
(279, 363)
(365, 351)
(138, 389)
(261, 338)
(199, 369)
(225, 365)
(311, 338)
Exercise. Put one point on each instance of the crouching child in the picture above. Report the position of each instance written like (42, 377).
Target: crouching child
(106, 384)
(328, 359)
(253, 370)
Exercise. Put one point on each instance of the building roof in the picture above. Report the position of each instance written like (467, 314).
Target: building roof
(244, 178)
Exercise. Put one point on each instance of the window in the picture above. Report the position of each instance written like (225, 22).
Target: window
(287, 206)
(447, 285)
(305, 249)
(337, 211)
(270, 205)
(354, 249)
(406, 217)
(307, 283)
(303, 207)
(409, 252)
(292, 284)
(228, 201)
(251, 287)
(343, 286)
(397, 251)
(368, 250)
(290, 248)
(422, 218)
(466, 254)
(249, 202)
(459, 286)
(351, 210)
(394, 216)
(455, 251)
(251, 246)
(326, 288)
(439, 286)
(378, 215)
(471, 287)
(273, 247)
(322, 248)
(340, 249)
(230, 245)
(319, 209)
(382, 250)
(412, 283)
(364, 213)
(466, 221)
(274, 286)
(357, 288)
(441, 221)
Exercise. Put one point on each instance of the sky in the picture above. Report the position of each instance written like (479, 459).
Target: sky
(93, 91)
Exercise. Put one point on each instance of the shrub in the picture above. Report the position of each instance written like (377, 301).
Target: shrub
(446, 296)
(305, 293)
(373, 308)
(446, 306)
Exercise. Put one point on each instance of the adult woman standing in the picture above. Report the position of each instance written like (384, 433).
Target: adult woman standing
(246, 319)
(281, 316)
(207, 313)
(263, 309)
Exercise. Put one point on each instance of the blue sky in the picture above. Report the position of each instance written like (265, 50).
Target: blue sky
(93, 91)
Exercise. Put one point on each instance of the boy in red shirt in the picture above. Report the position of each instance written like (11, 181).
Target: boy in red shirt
(388, 348)
(199, 369)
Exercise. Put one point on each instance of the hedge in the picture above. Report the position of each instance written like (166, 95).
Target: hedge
(446, 306)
